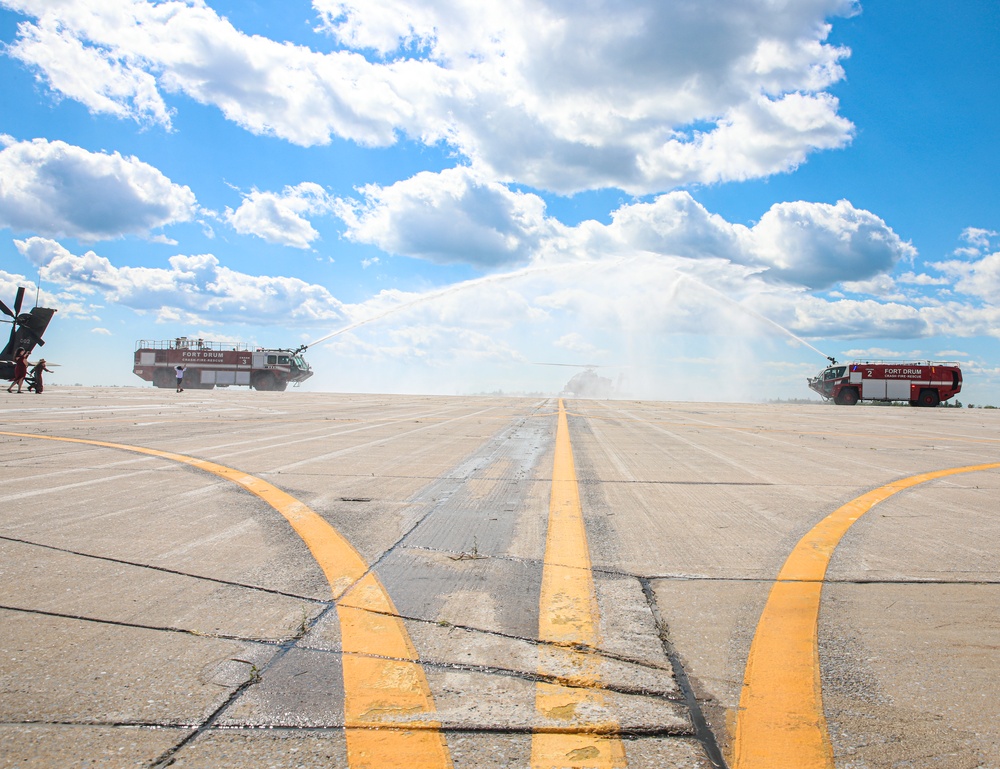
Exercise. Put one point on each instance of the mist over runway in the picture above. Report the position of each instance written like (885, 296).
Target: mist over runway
(238, 578)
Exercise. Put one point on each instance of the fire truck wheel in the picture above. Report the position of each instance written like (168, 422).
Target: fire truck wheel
(847, 397)
(264, 381)
(929, 398)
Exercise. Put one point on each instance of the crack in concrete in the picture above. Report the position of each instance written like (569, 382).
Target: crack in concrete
(703, 732)
(138, 626)
(164, 570)
(167, 757)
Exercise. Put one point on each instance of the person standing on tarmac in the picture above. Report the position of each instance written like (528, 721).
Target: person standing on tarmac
(35, 380)
(180, 377)
(20, 369)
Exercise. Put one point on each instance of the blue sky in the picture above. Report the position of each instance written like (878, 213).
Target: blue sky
(706, 198)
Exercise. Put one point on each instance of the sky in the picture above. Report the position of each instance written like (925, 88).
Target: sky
(706, 198)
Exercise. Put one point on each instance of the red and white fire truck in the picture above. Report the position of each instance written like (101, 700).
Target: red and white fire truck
(923, 383)
(216, 364)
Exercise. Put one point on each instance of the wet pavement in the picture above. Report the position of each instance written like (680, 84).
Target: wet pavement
(238, 579)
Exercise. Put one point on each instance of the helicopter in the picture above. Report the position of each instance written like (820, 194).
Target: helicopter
(587, 384)
(26, 331)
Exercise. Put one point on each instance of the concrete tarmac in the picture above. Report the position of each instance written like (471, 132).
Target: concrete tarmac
(230, 578)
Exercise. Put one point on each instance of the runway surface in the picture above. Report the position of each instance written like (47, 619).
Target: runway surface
(238, 579)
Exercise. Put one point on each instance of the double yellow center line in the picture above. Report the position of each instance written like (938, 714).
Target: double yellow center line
(574, 730)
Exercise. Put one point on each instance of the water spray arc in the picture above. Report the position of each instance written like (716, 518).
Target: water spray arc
(464, 285)
(752, 313)
(577, 265)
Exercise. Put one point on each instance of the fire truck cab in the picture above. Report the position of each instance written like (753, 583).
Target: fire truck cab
(921, 383)
(212, 364)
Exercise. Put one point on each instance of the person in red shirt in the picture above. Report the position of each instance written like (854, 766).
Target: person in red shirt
(20, 369)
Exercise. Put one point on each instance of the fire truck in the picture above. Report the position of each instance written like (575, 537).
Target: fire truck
(217, 364)
(922, 383)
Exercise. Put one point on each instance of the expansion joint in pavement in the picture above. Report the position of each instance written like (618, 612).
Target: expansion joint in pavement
(165, 570)
(701, 729)
(139, 626)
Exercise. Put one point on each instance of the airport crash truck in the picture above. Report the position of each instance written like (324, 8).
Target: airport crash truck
(216, 364)
(924, 383)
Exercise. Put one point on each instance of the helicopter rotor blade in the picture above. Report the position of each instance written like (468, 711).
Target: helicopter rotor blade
(17, 300)
(6, 310)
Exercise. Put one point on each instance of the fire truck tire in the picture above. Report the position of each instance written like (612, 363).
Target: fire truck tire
(847, 397)
(264, 381)
(164, 378)
(929, 398)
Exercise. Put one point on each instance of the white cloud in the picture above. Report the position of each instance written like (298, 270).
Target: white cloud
(195, 288)
(883, 286)
(100, 331)
(281, 217)
(814, 245)
(55, 189)
(103, 80)
(449, 217)
(978, 237)
(577, 343)
(455, 216)
(813, 317)
(818, 245)
(979, 278)
(921, 279)
(643, 97)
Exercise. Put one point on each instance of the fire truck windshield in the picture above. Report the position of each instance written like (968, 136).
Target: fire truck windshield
(834, 372)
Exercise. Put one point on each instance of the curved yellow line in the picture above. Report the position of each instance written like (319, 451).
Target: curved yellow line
(780, 724)
(387, 702)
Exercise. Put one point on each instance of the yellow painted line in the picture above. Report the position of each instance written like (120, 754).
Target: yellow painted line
(388, 714)
(387, 702)
(572, 731)
(780, 723)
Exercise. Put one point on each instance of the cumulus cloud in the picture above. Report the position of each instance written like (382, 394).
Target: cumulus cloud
(818, 245)
(196, 288)
(977, 237)
(815, 245)
(815, 317)
(979, 278)
(578, 344)
(644, 97)
(55, 189)
(281, 217)
(456, 216)
(450, 217)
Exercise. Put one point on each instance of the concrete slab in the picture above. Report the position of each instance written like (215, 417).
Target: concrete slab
(143, 599)
(75, 746)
